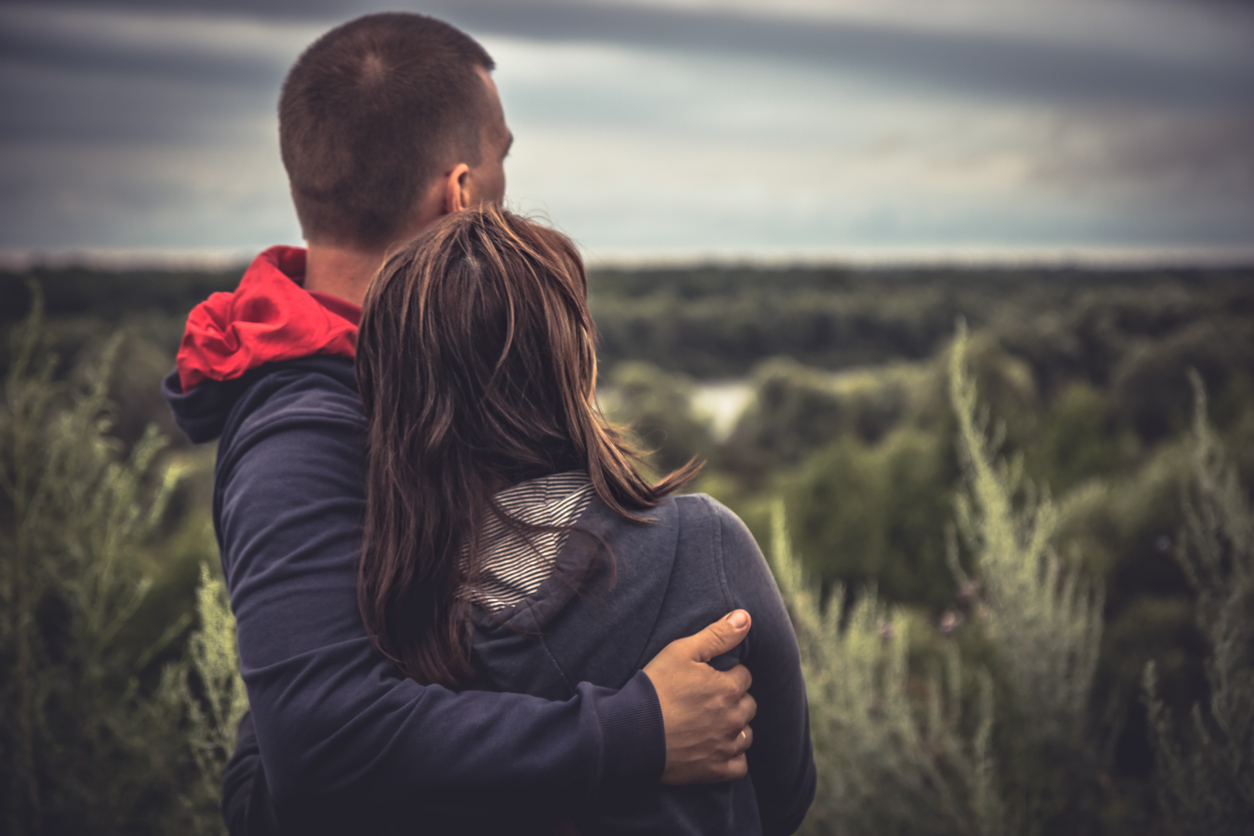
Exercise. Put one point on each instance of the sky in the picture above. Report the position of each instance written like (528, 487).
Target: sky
(674, 130)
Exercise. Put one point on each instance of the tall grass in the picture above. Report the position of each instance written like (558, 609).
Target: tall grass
(1040, 614)
(1206, 770)
(884, 765)
(210, 687)
(97, 735)
(962, 746)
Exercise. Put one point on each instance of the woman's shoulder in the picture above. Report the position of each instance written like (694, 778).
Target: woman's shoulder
(684, 512)
(681, 511)
(701, 508)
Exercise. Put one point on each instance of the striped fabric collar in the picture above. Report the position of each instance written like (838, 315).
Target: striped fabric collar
(514, 566)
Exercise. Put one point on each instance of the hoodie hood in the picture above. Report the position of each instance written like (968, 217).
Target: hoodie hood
(270, 318)
(514, 563)
(598, 608)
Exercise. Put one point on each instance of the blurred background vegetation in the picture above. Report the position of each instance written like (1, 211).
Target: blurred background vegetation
(821, 400)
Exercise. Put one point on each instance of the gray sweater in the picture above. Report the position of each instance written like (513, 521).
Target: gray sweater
(597, 619)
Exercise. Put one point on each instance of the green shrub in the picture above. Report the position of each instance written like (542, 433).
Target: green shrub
(993, 745)
(213, 694)
(1149, 388)
(86, 742)
(1005, 382)
(1206, 772)
(94, 728)
(1046, 618)
(658, 406)
(889, 760)
(876, 514)
(1078, 440)
(795, 410)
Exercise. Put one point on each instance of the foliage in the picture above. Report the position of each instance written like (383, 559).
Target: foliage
(964, 748)
(885, 766)
(93, 727)
(109, 293)
(1043, 614)
(212, 691)
(876, 514)
(1078, 441)
(658, 407)
(1149, 383)
(850, 424)
(1207, 774)
(1065, 323)
(797, 411)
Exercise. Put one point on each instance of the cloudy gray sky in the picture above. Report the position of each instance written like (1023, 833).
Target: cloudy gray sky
(663, 129)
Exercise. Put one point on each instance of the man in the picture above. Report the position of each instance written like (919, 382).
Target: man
(386, 123)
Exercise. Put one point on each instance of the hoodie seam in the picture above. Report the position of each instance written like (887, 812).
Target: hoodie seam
(653, 627)
(720, 561)
(547, 652)
(719, 514)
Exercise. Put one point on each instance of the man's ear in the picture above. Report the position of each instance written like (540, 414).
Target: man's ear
(457, 189)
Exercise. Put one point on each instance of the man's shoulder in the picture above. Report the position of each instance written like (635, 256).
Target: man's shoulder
(318, 384)
(318, 394)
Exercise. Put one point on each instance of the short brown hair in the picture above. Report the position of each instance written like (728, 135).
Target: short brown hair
(368, 114)
(476, 362)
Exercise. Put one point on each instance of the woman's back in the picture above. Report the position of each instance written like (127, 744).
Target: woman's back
(543, 626)
(476, 362)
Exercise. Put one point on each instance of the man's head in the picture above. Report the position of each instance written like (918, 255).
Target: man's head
(383, 116)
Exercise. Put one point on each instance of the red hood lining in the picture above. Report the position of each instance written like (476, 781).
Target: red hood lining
(269, 318)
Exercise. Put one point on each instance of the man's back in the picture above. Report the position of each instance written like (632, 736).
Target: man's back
(332, 715)
(386, 123)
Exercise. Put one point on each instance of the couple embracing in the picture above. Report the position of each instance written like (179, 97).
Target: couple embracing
(460, 608)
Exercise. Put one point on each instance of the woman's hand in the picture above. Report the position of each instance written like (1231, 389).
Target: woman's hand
(705, 712)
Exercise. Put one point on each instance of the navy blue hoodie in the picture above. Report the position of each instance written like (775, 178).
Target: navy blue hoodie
(337, 727)
(351, 745)
(620, 592)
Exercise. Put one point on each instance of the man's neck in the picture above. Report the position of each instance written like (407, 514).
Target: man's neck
(340, 272)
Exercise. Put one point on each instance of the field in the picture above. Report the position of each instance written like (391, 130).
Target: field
(831, 411)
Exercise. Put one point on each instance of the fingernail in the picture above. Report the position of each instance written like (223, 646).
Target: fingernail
(738, 619)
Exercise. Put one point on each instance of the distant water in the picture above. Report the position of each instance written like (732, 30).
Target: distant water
(721, 403)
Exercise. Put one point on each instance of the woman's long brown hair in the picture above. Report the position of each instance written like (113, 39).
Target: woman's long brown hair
(476, 363)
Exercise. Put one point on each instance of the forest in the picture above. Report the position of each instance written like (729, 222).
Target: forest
(1009, 510)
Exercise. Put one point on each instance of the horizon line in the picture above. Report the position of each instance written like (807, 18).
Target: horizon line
(874, 257)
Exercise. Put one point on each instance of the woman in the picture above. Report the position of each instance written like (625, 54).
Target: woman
(511, 544)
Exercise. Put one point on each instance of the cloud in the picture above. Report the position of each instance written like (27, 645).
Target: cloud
(691, 127)
(773, 157)
(91, 76)
(142, 196)
(1023, 57)
(1001, 65)
(1197, 161)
